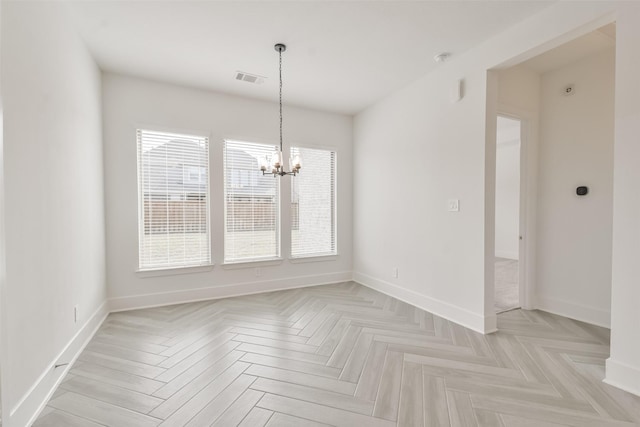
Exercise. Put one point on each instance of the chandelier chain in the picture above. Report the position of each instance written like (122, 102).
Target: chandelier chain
(276, 163)
(280, 55)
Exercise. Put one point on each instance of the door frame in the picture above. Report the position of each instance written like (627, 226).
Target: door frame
(528, 200)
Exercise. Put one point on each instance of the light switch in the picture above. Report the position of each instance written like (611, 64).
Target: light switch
(454, 205)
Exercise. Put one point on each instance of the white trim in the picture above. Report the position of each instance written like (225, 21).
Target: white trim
(313, 258)
(172, 129)
(459, 315)
(265, 262)
(251, 140)
(320, 146)
(235, 290)
(507, 254)
(26, 411)
(583, 313)
(3, 275)
(503, 144)
(173, 271)
(622, 376)
(529, 137)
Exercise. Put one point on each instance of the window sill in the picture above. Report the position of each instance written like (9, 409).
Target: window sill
(172, 271)
(313, 258)
(252, 264)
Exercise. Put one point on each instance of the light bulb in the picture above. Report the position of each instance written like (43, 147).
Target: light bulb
(276, 159)
(296, 162)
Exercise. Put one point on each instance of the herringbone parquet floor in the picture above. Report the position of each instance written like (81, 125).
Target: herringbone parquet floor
(341, 355)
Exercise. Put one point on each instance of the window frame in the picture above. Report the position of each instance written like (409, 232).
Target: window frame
(317, 257)
(182, 268)
(250, 262)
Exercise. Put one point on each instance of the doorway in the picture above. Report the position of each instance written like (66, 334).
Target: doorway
(507, 211)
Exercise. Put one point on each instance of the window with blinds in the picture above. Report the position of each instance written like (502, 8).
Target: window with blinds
(173, 200)
(252, 204)
(313, 204)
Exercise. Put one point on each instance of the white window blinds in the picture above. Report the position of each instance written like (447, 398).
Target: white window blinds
(313, 204)
(173, 200)
(252, 204)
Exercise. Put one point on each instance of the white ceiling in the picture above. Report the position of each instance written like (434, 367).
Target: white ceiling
(342, 55)
(574, 50)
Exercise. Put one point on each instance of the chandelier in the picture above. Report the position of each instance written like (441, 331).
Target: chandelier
(275, 164)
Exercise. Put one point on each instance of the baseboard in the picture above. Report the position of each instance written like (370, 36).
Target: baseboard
(461, 316)
(583, 313)
(507, 254)
(25, 412)
(622, 376)
(239, 289)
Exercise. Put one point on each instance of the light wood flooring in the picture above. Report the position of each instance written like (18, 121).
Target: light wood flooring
(507, 292)
(340, 355)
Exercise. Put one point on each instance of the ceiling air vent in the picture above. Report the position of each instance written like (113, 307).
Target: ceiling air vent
(251, 78)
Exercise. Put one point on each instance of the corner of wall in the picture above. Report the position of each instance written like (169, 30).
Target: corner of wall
(572, 310)
(134, 302)
(25, 412)
(622, 376)
(476, 322)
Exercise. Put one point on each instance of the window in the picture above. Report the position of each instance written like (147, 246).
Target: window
(252, 204)
(173, 200)
(313, 204)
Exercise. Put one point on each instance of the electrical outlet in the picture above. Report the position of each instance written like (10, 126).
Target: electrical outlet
(258, 272)
(395, 272)
(75, 314)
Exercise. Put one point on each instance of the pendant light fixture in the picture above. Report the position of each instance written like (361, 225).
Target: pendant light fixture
(275, 165)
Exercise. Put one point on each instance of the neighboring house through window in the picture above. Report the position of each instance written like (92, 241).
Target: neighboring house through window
(173, 200)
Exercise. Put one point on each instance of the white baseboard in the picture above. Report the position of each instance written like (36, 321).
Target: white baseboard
(623, 376)
(507, 254)
(583, 313)
(25, 412)
(202, 294)
(461, 316)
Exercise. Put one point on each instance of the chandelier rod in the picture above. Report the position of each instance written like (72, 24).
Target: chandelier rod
(280, 64)
(278, 158)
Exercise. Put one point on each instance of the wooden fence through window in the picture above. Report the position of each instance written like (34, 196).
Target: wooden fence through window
(188, 216)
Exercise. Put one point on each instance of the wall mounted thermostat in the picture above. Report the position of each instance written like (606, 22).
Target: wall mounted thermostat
(582, 191)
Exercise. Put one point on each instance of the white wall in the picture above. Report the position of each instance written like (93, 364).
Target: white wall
(623, 367)
(413, 151)
(130, 103)
(576, 148)
(519, 91)
(3, 270)
(54, 198)
(436, 148)
(507, 188)
(439, 151)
